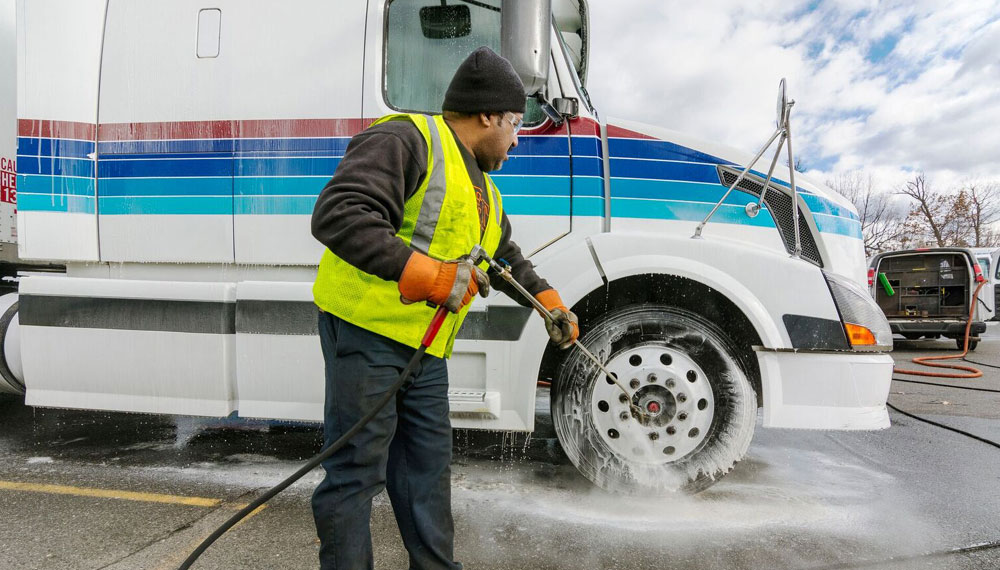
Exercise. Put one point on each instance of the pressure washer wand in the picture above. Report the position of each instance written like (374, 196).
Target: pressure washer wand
(432, 331)
(479, 254)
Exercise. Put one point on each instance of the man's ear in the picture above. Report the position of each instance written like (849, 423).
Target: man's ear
(485, 119)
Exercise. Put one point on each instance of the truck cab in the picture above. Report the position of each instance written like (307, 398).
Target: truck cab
(170, 153)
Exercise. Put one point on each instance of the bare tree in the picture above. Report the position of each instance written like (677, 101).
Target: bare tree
(881, 220)
(956, 225)
(931, 208)
(984, 213)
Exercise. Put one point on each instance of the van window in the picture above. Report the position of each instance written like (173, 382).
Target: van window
(419, 68)
(984, 264)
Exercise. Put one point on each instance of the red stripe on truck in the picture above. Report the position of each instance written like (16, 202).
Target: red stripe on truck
(40, 128)
(249, 129)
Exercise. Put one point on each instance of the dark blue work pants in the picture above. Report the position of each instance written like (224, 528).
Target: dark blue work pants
(409, 440)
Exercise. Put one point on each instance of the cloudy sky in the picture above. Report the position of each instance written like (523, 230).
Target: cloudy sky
(886, 87)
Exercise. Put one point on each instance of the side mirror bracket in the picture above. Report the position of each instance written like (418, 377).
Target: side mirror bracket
(559, 109)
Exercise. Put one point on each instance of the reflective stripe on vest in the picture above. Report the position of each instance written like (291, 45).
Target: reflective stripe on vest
(440, 219)
(430, 208)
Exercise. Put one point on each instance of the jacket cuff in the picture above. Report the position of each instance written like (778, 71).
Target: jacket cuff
(550, 300)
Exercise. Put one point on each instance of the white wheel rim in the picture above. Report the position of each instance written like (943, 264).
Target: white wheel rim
(674, 392)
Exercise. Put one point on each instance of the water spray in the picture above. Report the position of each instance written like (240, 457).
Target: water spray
(503, 270)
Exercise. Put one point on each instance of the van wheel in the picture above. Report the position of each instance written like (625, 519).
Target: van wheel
(961, 344)
(700, 408)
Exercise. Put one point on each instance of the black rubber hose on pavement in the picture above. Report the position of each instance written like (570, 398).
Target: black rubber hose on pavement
(980, 363)
(404, 376)
(947, 427)
(973, 388)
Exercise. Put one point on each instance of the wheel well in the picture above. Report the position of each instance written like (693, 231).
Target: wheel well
(678, 292)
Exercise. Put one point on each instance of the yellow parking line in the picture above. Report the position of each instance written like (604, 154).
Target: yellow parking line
(249, 516)
(109, 494)
(179, 556)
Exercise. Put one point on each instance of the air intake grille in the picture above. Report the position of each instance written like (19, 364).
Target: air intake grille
(780, 205)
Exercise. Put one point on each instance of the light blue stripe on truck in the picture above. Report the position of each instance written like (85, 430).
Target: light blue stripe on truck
(652, 179)
(176, 205)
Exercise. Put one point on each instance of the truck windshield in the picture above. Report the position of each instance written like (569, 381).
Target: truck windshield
(418, 68)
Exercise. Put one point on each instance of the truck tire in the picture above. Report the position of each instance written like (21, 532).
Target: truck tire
(683, 372)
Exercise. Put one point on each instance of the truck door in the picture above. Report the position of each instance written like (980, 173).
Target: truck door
(165, 134)
(418, 65)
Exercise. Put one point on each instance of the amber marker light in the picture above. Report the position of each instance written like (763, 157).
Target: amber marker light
(859, 335)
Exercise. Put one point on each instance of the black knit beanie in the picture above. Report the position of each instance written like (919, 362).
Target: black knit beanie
(485, 83)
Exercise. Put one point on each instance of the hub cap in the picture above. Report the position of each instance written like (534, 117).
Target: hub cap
(672, 391)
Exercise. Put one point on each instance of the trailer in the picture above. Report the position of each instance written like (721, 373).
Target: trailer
(170, 153)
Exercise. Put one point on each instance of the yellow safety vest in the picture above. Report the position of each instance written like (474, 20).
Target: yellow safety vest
(440, 220)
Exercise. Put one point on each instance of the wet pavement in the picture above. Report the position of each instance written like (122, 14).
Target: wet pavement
(84, 490)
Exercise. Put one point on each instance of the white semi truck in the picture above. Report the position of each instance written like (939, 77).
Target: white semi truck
(8, 146)
(169, 155)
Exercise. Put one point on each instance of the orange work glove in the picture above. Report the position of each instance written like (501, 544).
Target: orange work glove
(564, 328)
(450, 284)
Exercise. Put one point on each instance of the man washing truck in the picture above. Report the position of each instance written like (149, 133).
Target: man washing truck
(410, 197)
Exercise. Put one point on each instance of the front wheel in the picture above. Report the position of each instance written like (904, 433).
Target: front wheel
(700, 410)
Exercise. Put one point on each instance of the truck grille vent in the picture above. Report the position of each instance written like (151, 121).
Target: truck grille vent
(780, 204)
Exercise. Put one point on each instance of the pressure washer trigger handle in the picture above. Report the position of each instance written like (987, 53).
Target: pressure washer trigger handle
(478, 254)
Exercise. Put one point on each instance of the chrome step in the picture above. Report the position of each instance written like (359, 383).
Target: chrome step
(479, 402)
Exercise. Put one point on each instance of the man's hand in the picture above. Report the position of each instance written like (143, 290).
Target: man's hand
(450, 284)
(564, 328)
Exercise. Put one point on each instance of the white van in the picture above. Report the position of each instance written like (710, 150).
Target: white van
(932, 292)
(989, 261)
(170, 153)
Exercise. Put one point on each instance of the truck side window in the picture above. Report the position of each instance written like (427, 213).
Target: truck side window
(418, 68)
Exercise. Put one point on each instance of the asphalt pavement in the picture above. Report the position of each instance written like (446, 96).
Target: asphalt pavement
(85, 490)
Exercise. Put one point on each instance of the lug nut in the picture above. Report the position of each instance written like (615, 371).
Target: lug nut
(651, 378)
(622, 398)
(634, 384)
(682, 416)
(681, 398)
(671, 430)
(624, 416)
(670, 384)
(654, 436)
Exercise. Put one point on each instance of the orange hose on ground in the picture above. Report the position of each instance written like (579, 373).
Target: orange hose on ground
(924, 360)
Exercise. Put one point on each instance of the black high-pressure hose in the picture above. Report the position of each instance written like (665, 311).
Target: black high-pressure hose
(980, 363)
(944, 426)
(432, 331)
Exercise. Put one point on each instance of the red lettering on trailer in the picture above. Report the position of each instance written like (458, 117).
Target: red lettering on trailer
(8, 181)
